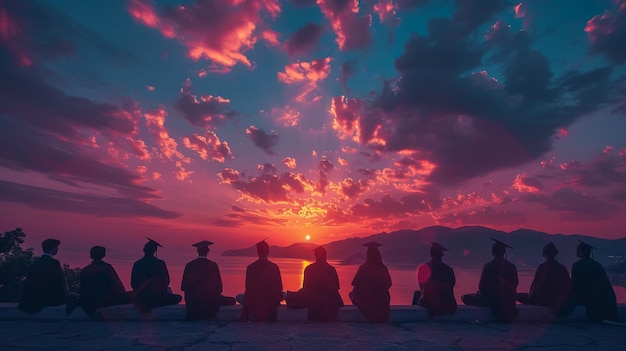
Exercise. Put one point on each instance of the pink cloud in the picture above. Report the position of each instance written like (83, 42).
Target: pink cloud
(155, 120)
(218, 30)
(607, 33)
(575, 206)
(526, 184)
(346, 115)
(286, 116)
(208, 146)
(351, 31)
(305, 72)
(267, 187)
(290, 162)
(351, 189)
(203, 110)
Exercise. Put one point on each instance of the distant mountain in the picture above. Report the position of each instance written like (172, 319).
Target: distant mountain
(300, 250)
(468, 246)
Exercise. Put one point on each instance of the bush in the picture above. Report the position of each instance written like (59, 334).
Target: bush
(14, 263)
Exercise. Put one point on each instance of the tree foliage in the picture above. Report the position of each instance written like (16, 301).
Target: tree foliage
(15, 262)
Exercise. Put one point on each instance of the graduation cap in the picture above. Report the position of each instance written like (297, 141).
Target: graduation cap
(438, 246)
(152, 243)
(203, 243)
(583, 244)
(498, 243)
(50, 244)
(262, 247)
(372, 245)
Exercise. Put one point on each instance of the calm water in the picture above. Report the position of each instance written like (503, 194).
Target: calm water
(233, 271)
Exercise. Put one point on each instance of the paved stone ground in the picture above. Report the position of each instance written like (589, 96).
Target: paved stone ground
(236, 336)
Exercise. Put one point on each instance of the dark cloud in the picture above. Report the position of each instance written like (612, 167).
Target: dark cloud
(471, 14)
(264, 141)
(352, 189)
(351, 30)
(346, 70)
(604, 169)
(203, 111)
(208, 147)
(410, 4)
(619, 195)
(484, 216)
(607, 33)
(303, 41)
(62, 201)
(325, 167)
(468, 124)
(388, 208)
(575, 206)
(302, 3)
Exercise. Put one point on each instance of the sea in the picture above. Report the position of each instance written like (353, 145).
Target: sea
(403, 277)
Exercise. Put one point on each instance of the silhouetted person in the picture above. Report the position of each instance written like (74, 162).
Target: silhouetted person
(551, 286)
(202, 284)
(263, 288)
(436, 280)
(150, 281)
(45, 282)
(497, 287)
(321, 289)
(371, 286)
(100, 286)
(591, 287)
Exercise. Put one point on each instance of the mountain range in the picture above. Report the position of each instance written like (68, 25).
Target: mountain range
(468, 247)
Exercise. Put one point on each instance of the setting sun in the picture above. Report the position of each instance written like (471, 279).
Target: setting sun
(308, 237)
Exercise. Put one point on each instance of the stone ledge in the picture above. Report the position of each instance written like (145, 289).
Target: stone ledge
(399, 314)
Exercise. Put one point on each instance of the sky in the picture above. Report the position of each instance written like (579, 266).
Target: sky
(236, 120)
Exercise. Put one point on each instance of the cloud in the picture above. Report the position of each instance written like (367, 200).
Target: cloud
(205, 110)
(526, 184)
(290, 162)
(410, 4)
(325, 167)
(346, 70)
(62, 201)
(575, 206)
(308, 74)
(218, 30)
(267, 187)
(388, 208)
(352, 32)
(208, 147)
(287, 116)
(607, 33)
(303, 41)
(484, 216)
(263, 140)
(471, 14)
(447, 108)
(353, 189)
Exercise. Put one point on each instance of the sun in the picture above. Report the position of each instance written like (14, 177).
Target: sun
(308, 237)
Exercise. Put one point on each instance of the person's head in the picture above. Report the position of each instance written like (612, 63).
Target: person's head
(373, 255)
(50, 246)
(150, 247)
(97, 253)
(262, 249)
(320, 254)
(203, 247)
(436, 251)
(498, 249)
(583, 249)
(550, 251)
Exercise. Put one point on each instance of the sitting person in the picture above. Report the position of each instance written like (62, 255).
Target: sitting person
(100, 286)
(150, 281)
(551, 286)
(202, 284)
(264, 288)
(497, 287)
(320, 290)
(591, 287)
(371, 286)
(45, 283)
(436, 280)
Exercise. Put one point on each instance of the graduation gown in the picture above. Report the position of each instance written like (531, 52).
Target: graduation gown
(45, 285)
(371, 291)
(437, 280)
(150, 281)
(263, 291)
(321, 290)
(100, 286)
(498, 288)
(551, 287)
(202, 285)
(591, 287)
